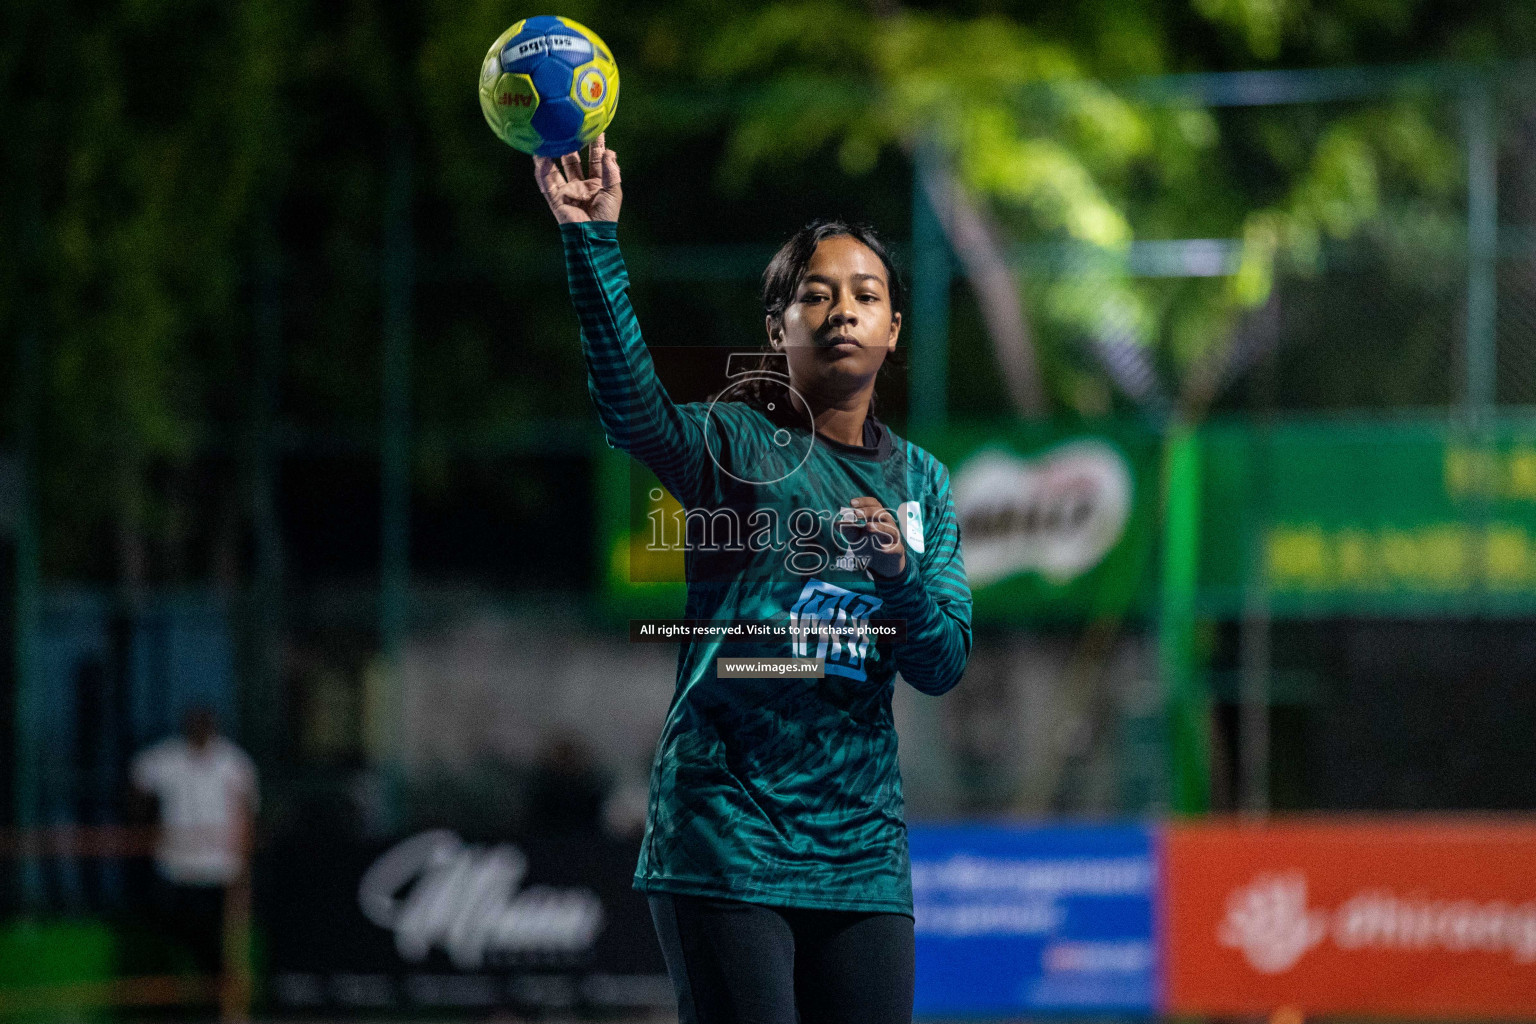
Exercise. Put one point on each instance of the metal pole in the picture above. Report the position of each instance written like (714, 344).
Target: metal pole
(1482, 241)
(264, 705)
(1255, 644)
(398, 281)
(1188, 703)
(1255, 648)
(28, 779)
(932, 274)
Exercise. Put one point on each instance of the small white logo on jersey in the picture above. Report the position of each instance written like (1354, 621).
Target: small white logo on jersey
(909, 515)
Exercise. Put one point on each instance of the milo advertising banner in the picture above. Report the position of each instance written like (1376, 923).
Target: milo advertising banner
(1057, 523)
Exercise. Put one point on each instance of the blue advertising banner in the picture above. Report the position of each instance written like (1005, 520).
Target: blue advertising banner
(1021, 919)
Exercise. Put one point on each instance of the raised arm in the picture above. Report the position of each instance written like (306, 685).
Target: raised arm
(636, 413)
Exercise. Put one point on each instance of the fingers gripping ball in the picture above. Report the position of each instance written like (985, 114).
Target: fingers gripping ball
(548, 86)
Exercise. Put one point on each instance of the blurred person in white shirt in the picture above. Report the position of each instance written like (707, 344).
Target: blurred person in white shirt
(203, 788)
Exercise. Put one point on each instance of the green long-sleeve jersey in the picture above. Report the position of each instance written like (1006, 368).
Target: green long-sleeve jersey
(783, 791)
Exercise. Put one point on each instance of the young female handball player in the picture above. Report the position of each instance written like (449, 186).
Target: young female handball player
(775, 851)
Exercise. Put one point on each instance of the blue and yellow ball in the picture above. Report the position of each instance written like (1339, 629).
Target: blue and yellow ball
(548, 86)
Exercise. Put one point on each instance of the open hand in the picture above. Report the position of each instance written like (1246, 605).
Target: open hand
(878, 536)
(574, 197)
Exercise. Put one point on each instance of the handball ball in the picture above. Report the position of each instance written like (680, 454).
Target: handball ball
(548, 86)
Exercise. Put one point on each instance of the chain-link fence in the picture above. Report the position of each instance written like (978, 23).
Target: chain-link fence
(468, 683)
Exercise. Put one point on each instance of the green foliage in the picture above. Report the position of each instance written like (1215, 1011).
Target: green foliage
(142, 161)
(1262, 24)
(154, 151)
(1056, 154)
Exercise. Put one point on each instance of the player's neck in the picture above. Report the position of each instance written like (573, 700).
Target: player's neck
(839, 417)
(843, 423)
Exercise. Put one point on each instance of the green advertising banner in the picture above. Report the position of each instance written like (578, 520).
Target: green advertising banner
(1059, 522)
(637, 582)
(1415, 518)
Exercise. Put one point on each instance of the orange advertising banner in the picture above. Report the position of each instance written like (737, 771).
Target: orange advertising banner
(1408, 917)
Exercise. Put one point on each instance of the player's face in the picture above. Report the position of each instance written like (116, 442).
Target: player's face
(839, 327)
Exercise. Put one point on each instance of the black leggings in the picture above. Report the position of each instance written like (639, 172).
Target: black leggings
(744, 963)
